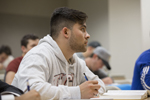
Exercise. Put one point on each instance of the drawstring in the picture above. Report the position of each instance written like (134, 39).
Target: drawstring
(67, 72)
(74, 80)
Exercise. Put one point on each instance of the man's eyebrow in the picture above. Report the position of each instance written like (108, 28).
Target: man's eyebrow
(83, 26)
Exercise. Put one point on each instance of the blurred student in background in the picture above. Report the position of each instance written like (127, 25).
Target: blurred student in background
(141, 76)
(5, 56)
(27, 43)
(100, 72)
(97, 60)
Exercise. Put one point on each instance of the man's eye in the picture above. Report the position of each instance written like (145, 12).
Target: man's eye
(83, 29)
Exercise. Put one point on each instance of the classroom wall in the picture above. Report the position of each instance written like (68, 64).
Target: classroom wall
(124, 35)
(20, 17)
(145, 14)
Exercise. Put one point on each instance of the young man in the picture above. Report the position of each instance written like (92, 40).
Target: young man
(11, 91)
(97, 60)
(5, 56)
(141, 76)
(52, 68)
(28, 42)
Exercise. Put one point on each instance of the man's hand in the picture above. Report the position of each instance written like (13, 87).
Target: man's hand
(89, 89)
(1, 66)
(31, 95)
(107, 80)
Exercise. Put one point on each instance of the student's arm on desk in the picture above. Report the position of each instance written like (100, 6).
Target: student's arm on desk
(107, 80)
(9, 77)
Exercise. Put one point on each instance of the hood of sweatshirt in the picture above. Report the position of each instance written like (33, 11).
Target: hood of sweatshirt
(54, 47)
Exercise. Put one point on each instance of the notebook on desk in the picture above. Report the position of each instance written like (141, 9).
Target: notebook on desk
(125, 95)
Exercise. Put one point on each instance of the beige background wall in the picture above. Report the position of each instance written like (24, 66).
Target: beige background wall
(145, 14)
(124, 35)
(121, 26)
(20, 17)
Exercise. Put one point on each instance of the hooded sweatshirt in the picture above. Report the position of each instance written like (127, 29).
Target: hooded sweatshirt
(48, 72)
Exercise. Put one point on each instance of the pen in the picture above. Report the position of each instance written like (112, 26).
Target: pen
(85, 77)
(28, 87)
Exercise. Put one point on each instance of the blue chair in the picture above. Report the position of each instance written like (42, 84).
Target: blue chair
(123, 86)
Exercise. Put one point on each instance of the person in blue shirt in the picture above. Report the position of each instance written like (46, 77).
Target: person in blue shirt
(141, 76)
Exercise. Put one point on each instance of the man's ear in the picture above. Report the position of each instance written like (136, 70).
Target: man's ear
(65, 31)
(95, 56)
(23, 48)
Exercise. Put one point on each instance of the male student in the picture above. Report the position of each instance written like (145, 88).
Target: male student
(27, 42)
(97, 60)
(5, 56)
(141, 76)
(52, 68)
(11, 91)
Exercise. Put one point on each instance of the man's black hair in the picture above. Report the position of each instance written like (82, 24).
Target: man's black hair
(65, 17)
(5, 49)
(24, 40)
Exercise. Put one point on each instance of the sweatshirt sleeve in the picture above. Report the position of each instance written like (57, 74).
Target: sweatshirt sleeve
(35, 68)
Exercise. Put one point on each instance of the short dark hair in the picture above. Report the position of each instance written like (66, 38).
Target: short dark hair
(5, 49)
(65, 17)
(24, 40)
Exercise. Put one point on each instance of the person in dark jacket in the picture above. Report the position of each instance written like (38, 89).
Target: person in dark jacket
(11, 90)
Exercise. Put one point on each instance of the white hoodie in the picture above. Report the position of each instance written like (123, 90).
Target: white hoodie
(47, 70)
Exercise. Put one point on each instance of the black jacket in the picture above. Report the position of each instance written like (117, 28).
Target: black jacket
(6, 87)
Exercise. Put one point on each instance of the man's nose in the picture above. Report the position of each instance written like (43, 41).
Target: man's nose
(87, 35)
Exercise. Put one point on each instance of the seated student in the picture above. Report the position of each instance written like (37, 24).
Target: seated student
(141, 75)
(27, 43)
(97, 60)
(52, 67)
(91, 46)
(31, 95)
(100, 72)
(5, 56)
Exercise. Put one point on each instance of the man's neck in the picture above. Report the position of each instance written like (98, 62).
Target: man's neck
(67, 52)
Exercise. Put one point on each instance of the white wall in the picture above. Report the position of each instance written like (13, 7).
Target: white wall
(20, 17)
(97, 22)
(145, 13)
(42, 8)
(125, 40)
